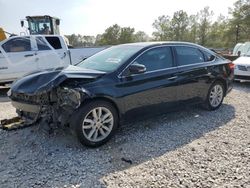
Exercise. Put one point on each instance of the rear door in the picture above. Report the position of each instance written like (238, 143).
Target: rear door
(51, 52)
(17, 58)
(193, 73)
(156, 87)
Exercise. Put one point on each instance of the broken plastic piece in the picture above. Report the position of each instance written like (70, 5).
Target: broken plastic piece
(13, 124)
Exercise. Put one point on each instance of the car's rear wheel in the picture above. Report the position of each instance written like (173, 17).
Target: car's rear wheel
(95, 123)
(215, 96)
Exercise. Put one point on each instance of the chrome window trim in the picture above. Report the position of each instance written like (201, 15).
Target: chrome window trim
(206, 62)
(152, 71)
(167, 45)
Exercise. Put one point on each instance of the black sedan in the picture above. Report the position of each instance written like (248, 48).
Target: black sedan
(95, 96)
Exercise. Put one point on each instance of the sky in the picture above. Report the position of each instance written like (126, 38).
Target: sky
(92, 17)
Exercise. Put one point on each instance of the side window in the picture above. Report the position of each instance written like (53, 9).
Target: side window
(54, 42)
(156, 59)
(21, 44)
(41, 44)
(188, 55)
(208, 56)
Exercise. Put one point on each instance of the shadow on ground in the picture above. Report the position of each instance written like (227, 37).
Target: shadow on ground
(59, 160)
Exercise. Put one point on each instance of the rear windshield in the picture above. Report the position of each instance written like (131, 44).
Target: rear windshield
(110, 59)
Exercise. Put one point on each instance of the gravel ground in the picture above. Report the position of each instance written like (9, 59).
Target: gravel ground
(187, 148)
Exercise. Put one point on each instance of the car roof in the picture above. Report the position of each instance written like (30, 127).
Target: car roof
(159, 43)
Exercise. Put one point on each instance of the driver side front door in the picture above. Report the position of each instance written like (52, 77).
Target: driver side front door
(156, 87)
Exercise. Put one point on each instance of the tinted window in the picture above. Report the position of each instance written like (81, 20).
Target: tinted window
(188, 55)
(21, 44)
(41, 44)
(208, 56)
(54, 42)
(156, 59)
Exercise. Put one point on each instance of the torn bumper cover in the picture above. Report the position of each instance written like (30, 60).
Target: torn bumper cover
(54, 107)
(51, 96)
(26, 107)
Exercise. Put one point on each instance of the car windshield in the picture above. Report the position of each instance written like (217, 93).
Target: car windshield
(110, 59)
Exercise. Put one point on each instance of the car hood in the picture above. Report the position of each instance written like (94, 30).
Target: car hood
(46, 80)
(244, 60)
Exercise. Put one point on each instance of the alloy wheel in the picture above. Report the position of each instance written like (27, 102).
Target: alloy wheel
(216, 95)
(98, 124)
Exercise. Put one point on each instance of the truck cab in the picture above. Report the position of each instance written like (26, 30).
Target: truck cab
(22, 55)
(42, 25)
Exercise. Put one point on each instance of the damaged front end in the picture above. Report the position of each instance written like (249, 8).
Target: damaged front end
(53, 108)
(51, 96)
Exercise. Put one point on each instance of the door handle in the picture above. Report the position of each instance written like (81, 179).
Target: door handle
(28, 55)
(64, 55)
(173, 78)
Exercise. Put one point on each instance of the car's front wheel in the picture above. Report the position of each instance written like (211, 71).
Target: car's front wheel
(215, 96)
(95, 123)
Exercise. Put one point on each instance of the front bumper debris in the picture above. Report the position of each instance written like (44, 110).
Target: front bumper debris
(26, 107)
(13, 124)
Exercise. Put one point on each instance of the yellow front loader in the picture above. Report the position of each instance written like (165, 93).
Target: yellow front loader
(2, 34)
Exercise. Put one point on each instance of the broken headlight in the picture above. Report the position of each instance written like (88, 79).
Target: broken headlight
(69, 97)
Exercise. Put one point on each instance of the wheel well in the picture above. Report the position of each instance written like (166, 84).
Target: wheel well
(223, 82)
(106, 100)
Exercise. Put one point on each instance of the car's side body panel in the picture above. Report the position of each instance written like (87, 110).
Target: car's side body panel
(149, 91)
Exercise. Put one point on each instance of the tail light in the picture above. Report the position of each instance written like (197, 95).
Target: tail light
(231, 66)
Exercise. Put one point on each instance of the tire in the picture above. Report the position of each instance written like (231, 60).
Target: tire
(95, 123)
(218, 90)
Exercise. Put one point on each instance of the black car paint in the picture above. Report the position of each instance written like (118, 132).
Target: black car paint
(129, 92)
(45, 81)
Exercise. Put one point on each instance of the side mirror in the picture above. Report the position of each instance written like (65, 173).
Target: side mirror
(57, 22)
(22, 23)
(137, 68)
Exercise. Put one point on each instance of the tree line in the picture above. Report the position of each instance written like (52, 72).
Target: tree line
(199, 28)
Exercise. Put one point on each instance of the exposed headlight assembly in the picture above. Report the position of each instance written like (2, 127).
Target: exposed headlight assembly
(69, 97)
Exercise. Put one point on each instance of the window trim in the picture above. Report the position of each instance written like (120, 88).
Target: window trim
(162, 46)
(174, 55)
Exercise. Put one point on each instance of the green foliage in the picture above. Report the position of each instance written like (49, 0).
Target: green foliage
(240, 22)
(111, 36)
(116, 35)
(204, 20)
(126, 35)
(141, 36)
(162, 26)
(182, 27)
(198, 28)
(178, 25)
(80, 41)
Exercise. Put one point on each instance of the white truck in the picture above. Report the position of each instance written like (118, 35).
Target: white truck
(22, 55)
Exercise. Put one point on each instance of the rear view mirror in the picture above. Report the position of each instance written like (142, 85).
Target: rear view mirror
(22, 23)
(137, 68)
